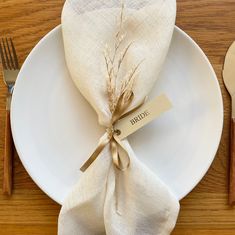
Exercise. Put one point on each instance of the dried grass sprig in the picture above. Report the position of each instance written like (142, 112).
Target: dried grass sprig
(113, 65)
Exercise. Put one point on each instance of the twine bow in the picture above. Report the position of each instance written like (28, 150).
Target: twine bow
(111, 137)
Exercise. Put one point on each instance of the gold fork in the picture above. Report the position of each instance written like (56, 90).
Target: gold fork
(10, 71)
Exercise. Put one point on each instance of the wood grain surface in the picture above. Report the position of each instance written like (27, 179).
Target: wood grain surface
(205, 211)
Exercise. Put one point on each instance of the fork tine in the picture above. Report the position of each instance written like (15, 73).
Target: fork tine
(14, 54)
(10, 54)
(5, 53)
(2, 56)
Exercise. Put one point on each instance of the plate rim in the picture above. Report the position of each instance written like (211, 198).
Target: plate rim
(216, 141)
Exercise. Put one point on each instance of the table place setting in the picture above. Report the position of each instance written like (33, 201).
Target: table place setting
(116, 114)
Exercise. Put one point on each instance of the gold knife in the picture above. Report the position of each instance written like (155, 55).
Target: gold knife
(229, 81)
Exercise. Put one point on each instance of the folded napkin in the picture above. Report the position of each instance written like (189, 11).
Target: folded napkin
(106, 200)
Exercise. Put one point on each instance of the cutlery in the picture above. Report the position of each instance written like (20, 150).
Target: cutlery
(229, 80)
(10, 71)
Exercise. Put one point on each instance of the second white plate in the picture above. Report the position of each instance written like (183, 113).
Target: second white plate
(55, 129)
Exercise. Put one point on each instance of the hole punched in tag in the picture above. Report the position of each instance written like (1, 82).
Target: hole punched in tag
(111, 131)
(117, 132)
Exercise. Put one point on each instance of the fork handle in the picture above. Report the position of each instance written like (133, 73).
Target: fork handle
(8, 153)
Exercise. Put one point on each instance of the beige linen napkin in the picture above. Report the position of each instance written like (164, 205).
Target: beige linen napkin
(106, 200)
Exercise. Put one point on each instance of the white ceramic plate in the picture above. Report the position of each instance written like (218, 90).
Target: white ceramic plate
(55, 129)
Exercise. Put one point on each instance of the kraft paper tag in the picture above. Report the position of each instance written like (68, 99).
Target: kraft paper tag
(142, 116)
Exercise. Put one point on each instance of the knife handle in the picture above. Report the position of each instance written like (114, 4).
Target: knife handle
(232, 164)
(7, 158)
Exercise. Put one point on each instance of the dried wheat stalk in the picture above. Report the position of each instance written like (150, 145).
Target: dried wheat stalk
(114, 62)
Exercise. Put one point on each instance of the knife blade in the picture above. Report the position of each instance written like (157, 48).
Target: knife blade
(229, 81)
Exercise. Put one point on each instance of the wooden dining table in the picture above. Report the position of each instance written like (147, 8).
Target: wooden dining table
(204, 211)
